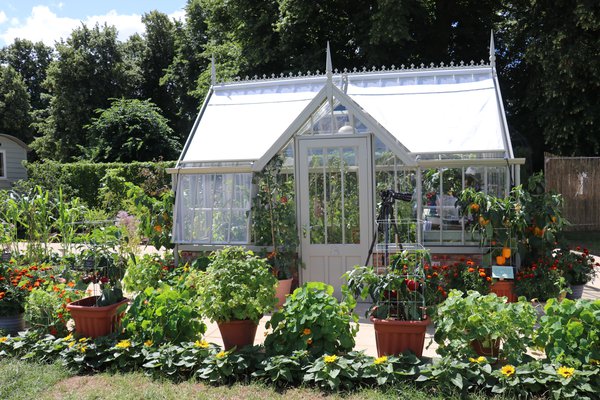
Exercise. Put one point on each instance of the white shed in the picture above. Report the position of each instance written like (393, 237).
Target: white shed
(13, 152)
(346, 136)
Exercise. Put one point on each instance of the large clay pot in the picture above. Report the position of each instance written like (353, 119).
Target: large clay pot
(237, 333)
(12, 324)
(283, 288)
(394, 337)
(505, 288)
(488, 349)
(92, 321)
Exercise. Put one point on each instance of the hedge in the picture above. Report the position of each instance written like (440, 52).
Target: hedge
(84, 179)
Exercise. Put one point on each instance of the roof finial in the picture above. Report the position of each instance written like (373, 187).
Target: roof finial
(213, 71)
(328, 69)
(492, 50)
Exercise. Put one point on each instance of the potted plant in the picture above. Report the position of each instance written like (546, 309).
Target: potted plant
(274, 223)
(235, 291)
(398, 301)
(14, 290)
(539, 279)
(578, 267)
(100, 314)
(486, 325)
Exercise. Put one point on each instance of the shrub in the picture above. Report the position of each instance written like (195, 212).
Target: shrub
(312, 320)
(149, 270)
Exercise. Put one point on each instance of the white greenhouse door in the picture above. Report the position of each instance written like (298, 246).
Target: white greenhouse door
(333, 192)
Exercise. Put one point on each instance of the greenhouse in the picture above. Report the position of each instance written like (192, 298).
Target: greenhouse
(339, 142)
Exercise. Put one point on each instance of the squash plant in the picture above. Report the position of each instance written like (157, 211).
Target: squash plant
(237, 285)
(461, 320)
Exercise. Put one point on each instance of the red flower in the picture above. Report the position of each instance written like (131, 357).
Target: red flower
(412, 285)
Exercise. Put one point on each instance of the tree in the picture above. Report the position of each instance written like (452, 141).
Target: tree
(555, 72)
(31, 60)
(14, 105)
(132, 130)
(88, 71)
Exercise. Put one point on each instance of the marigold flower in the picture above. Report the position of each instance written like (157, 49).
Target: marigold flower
(306, 332)
(507, 370)
(566, 372)
(330, 359)
(221, 354)
(471, 269)
(123, 344)
(71, 284)
(482, 274)
(309, 342)
(380, 360)
(148, 343)
(203, 344)
(3, 339)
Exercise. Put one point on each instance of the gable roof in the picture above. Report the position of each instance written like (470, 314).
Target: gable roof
(447, 109)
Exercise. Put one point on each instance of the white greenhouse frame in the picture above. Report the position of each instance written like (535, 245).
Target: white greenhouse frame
(446, 118)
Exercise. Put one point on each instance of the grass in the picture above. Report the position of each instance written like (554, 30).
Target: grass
(30, 380)
(589, 240)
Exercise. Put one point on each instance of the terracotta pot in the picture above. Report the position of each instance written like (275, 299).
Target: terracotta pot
(92, 321)
(487, 350)
(237, 333)
(577, 292)
(282, 289)
(505, 288)
(394, 337)
(12, 324)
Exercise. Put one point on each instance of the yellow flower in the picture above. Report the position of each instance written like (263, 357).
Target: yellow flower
(3, 339)
(306, 332)
(330, 359)
(380, 360)
(478, 360)
(507, 370)
(221, 354)
(72, 343)
(566, 372)
(201, 343)
(123, 344)
(83, 349)
(68, 337)
(83, 339)
(148, 343)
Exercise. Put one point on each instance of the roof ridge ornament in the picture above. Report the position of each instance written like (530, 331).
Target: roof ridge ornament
(492, 50)
(328, 68)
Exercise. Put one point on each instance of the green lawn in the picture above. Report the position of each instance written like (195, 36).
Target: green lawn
(29, 380)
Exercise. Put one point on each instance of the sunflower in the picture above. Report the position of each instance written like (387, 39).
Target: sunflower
(508, 370)
(566, 372)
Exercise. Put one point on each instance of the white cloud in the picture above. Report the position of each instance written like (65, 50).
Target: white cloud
(3, 17)
(44, 25)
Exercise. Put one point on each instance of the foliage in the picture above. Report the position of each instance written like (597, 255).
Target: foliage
(166, 314)
(274, 217)
(312, 320)
(398, 292)
(14, 105)
(540, 279)
(86, 180)
(131, 130)
(156, 215)
(577, 267)
(150, 270)
(16, 283)
(284, 370)
(487, 318)
(570, 332)
(237, 285)
(46, 307)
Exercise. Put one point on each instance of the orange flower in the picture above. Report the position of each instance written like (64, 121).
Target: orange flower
(71, 284)
(309, 342)
(306, 332)
(482, 274)
(470, 263)
(471, 269)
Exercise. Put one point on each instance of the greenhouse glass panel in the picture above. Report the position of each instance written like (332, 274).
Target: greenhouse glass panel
(213, 208)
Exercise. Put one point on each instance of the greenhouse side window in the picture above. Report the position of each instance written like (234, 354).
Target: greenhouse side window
(213, 208)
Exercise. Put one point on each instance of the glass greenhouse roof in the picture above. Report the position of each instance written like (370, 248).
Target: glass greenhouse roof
(448, 110)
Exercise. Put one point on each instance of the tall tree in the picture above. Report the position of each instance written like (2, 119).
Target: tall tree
(555, 68)
(181, 77)
(14, 105)
(131, 130)
(31, 60)
(86, 74)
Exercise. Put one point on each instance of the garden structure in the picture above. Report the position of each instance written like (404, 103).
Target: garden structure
(12, 154)
(338, 140)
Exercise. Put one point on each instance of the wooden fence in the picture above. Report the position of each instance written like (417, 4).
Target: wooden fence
(578, 180)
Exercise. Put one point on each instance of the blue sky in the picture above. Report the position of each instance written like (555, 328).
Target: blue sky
(51, 20)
